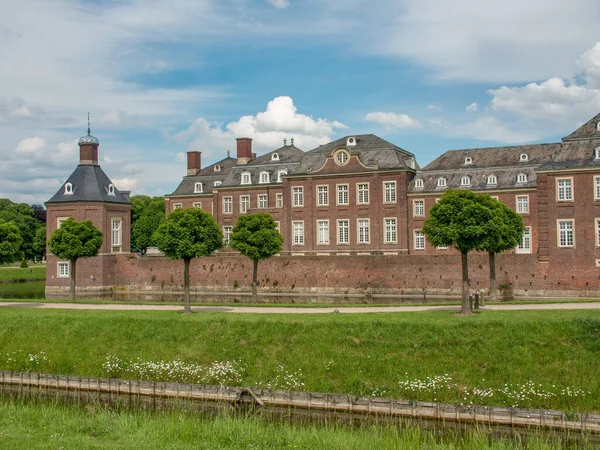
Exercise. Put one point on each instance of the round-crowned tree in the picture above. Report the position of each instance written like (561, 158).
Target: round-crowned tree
(187, 234)
(256, 236)
(10, 242)
(74, 240)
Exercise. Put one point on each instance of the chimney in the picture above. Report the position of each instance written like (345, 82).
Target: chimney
(244, 150)
(193, 163)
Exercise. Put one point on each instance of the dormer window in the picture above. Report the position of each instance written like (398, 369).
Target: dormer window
(246, 178)
(68, 189)
(341, 157)
(441, 182)
(598, 126)
(413, 163)
(523, 157)
(275, 157)
(419, 183)
(197, 188)
(217, 168)
(351, 142)
(597, 153)
(111, 189)
(465, 181)
(264, 177)
(492, 180)
(468, 160)
(280, 174)
(217, 183)
(522, 178)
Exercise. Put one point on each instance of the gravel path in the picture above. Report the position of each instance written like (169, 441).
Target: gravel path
(284, 310)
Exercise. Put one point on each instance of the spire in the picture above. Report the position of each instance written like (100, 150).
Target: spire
(88, 138)
(292, 141)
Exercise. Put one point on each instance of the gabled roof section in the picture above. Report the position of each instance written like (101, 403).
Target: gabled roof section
(89, 184)
(574, 155)
(207, 176)
(285, 154)
(589, 130)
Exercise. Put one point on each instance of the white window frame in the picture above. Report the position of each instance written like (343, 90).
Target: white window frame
(597, 188)
(363, 231)
(322, 195)
(279, 200)
(298, 232)
(465, 181)
(523, 207)
(262, 201)
(198, 188)
(342, 157)
(246, 178)
(244, 204)
(322, 232)
(227, 205)
(597, 229)
(468, 161)
(177, 206)
(264, 177)
(522, 178)
(197, 205)
(111, 189)
(227, 230)
(523, 157)
(564, 193)
(343, 231)
(388, 230)
(298, 196)
(68, 189)
(116, 239)
(389, 192)
(442, 182)
(419, 208)
(275, 157)
(60, 273)
(492, 180)
(418, 240)
(524, 247)
(60, 220)
(559, 233)
(217, 183)
(281, 173)
(419, 183)
(362, 195)
(342, 189)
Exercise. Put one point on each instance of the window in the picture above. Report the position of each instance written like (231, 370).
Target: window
(217, 168)
(323, 232)
(364, 235)
(441, 182)
(197, 205)
(465, 181)
(264, 177)
(244, 203)
(197, 188)
(343, 231)
(350, 142)
(298, 194)
(177, 206)
(419, 183)
(389, 192)
(362, 193)
(280, 174)
(566, 237)
(322, 195)
(341, 157)
(596, 188)
(522, 204)
(522, 178)
(342, 194)
(263, 201)
(279, 199)
(59, 221)
(111, 189)
(298, 227)
(227, 205)
(68, 189)
(217, 183)
(389, 231)
(468, 160)
(63, 269)
(246, 178)
(227, 230)
(597, 153)
(523, 157)
(525, 244)
(419, 240)
(275, 157)
(597, 224)
(564, 189)
(116, 234)
(277, 226)
(492, 180)
(419, 208)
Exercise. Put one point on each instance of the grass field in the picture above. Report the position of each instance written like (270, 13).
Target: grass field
(539, 359)
(8, 273)
(55, 426)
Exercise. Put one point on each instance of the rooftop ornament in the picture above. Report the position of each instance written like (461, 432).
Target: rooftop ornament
(88, 138)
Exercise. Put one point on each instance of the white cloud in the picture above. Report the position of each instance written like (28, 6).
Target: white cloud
(434, 108)
(473, 107)
(589, 64)
(392, 120)
(279, 3)
(180, 157)
(125, 184)
(484, 128)
(31, 145)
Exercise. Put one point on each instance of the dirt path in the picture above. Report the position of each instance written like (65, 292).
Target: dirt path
(291, 310)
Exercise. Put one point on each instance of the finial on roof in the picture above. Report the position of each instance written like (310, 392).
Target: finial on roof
(228, 153)
(284, 142)
(292, 141)
(88, 138)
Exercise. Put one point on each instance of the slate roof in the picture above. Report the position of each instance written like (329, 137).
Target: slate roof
(372, 151)
(575, 154)
(90, 184)
(207, 176)
(588, 130)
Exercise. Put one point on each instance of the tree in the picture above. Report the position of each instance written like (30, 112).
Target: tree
(39, 242)
(22, 215)
(39, 213)
(504, 233)
(187, 234)
(256, 236)
(74, 240)
(146, 215)
(10, 242)
(462, 221)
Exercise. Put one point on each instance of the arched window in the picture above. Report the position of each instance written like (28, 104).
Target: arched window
(264, 177)
(523, 157)
(217, 183)
(522, 178)
(342, 157)
(465, 181)
(280, 174)
(111, 189)
(441, 182)
(468, 160)
(350, 142)
(492, 179)
(419, 183)
(246, 178)
(68, 189)
(197, 188)
(217, 168)
(597, 153)
(275, 157)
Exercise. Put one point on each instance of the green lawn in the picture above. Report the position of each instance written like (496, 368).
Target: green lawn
(490, 358)
(16, 273)
(48, 425)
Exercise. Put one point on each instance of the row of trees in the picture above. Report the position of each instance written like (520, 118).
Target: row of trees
(30, 236)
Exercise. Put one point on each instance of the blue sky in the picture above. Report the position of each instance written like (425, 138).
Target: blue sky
(160, 78)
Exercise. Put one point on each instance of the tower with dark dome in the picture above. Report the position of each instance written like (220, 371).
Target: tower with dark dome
(88, 194)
